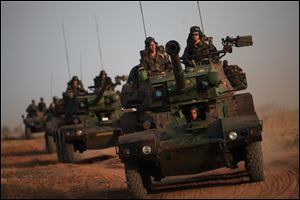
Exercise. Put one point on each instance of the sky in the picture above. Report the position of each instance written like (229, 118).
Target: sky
(33, 50)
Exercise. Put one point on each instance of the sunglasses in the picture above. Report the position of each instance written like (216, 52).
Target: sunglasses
(195, 34)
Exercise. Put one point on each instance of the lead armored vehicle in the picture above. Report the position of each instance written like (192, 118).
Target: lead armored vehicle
(226, 130)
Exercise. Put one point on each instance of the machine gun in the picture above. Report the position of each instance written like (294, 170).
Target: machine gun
(228, 43)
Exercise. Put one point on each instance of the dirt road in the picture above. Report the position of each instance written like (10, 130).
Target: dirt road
(27, 171)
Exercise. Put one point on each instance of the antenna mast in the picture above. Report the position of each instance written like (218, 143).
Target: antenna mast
(143, 18)
(80, 67)
(51, 83)
(67, 55)
(99, 47)
(200, 17)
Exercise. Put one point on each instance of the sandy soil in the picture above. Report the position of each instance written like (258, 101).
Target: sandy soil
(27, 171)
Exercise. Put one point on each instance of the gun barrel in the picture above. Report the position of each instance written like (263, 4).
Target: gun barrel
(100, 93)
(173, 48)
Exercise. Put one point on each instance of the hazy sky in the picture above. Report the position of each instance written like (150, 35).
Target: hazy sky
(32, 44)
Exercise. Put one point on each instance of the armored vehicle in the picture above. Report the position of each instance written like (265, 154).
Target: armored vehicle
(55, 119)
(89, 124)
(34, 124)
(225, 131)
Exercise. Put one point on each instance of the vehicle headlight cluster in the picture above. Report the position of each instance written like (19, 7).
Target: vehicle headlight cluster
(74, 133)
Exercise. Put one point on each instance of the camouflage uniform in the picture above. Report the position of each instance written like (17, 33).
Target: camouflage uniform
(32, 109)
(199, 49)
(73, 91)
(158, 64)
(42, 106)
(100, 80)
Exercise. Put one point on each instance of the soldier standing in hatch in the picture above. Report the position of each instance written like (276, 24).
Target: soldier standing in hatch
(154, 59)
(32, 109)
(42, 106)
(75, 87)
(100, 80)
(196, 45)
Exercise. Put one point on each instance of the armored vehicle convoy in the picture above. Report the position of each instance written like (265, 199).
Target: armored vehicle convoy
(209, 126)
(89, 124)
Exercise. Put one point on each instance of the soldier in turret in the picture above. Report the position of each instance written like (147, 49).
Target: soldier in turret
(32, 109)
(197, 44)
(154, 58)
(75, 87)
(42, 106)
(101, 79)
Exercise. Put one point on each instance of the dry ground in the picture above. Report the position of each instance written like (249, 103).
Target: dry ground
(27, 171)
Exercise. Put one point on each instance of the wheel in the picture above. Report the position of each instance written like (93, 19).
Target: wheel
(65, 150)
(68, 152)
(59, 150)
(49, 142)
(28, 133)
(254, 161)
(135, 181)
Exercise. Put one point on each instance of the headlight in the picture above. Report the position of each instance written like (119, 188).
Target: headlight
(146, 125)
(76, 120)
(158, 93)
(68, 133)
(82, 104)
(146, 150)
(233, 135)
(79, 132)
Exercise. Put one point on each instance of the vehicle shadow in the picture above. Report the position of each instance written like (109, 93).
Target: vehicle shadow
(25, 153)
(94, 159)
(31, 163)
(204, 181)
(119, 193)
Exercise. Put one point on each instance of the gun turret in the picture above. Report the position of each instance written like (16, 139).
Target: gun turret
(173, 48)
(228, 43)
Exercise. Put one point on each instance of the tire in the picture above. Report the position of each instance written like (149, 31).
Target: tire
(50, 145)
(65, 151)
(68, 152)
(28, 133)
(135, 181)
(254, 161)
(59, 150)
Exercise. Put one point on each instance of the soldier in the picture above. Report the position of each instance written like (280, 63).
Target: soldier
(42, 106)
(32, 109)
(75, 87)
(100, 80)
(196, 45)
(51, 110)
(154, 59)
(194, 114)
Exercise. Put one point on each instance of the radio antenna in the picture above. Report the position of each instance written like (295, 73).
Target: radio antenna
(200, 17)
(51, 83)
(99, 47)
(143, 18)
(67, 55)
(80, 67)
